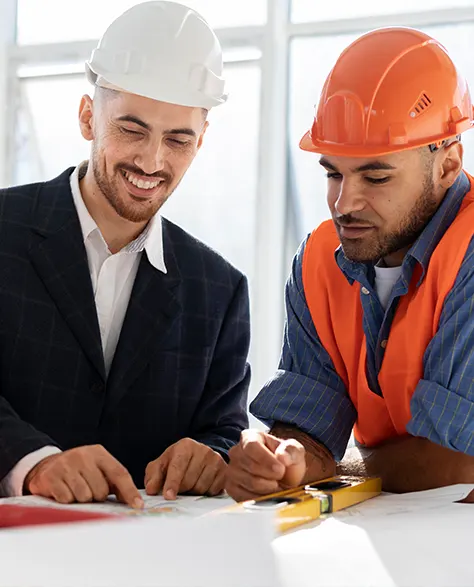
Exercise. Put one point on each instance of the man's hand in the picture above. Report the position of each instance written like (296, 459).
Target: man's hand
(261, 464)
(186, 467)
(83, 474)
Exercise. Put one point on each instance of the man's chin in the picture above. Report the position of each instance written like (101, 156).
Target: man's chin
(359, 254)
(138, 216)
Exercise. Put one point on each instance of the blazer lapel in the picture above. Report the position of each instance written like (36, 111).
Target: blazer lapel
(151, 313)
(59, 257)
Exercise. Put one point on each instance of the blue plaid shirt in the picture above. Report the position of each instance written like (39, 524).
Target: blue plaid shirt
(307, 392)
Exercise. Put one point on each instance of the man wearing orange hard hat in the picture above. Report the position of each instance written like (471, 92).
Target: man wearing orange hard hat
(379, 337)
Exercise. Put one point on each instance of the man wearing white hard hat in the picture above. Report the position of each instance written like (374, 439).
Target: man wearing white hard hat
(123, 339)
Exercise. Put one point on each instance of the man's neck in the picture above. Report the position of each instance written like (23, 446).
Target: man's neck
(116, 231)
(395, 259)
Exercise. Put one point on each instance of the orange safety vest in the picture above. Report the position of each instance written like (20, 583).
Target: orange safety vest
(337, 314)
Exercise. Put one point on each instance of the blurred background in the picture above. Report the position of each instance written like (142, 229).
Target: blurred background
(251, 193)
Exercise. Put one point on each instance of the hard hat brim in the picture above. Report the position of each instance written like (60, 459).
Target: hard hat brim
(341, 150)
(155, 91)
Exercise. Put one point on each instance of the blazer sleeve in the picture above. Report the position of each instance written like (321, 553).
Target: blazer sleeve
(222, 413)
(17, 438)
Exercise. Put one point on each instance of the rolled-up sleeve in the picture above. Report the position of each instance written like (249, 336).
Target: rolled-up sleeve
(306, 390)
(442, 406)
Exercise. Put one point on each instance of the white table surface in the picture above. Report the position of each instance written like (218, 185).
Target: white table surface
(415, 540)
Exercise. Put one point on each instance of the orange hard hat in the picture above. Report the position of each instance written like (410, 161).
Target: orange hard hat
(392, 89)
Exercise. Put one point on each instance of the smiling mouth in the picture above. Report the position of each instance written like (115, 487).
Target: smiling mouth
(141, 183)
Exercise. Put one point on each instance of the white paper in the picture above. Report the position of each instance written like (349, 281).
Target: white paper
(394, 504)
(190, 505)
(421, 539)
(209, 551)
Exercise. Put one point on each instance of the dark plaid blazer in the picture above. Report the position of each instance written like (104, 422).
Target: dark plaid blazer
(180, 368)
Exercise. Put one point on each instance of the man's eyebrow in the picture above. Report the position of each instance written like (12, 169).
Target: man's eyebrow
(172, 131)
(180, 131)
(370, 166)
(134, 120)
(374, 166)
(325, 163)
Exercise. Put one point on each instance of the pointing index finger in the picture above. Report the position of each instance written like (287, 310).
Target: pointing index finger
(174, 475)
(121, 481)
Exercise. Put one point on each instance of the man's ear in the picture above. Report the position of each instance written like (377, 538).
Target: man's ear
(86, 109)
(450, 164)
(201, 136)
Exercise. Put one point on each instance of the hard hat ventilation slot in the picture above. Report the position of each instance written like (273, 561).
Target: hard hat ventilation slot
(420, 106)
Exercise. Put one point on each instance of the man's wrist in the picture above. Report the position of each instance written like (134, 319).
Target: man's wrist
(34, 471)
(320, 462)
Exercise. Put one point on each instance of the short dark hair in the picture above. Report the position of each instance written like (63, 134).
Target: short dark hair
(101, 93)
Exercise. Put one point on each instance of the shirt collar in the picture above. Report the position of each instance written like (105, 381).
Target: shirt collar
(426, 243)
(150, 240)
(88, 224)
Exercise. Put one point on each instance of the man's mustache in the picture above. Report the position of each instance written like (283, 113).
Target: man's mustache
(137, 171)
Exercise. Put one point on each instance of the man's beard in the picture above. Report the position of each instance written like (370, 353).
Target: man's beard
(111, 190)
(379, 245)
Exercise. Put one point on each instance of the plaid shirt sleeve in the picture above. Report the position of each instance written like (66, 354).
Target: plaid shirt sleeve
(442, 405)
(306, 391)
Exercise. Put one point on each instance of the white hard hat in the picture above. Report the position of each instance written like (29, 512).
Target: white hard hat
(161, 50)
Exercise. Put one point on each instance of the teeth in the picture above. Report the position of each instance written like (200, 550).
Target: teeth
(140, 183)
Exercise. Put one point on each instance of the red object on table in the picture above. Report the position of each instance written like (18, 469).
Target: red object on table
(13, 515)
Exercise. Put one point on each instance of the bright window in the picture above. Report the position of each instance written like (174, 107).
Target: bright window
(315, 10)
(50, 21)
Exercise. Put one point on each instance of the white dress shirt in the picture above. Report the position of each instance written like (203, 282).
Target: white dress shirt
(112, 276)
